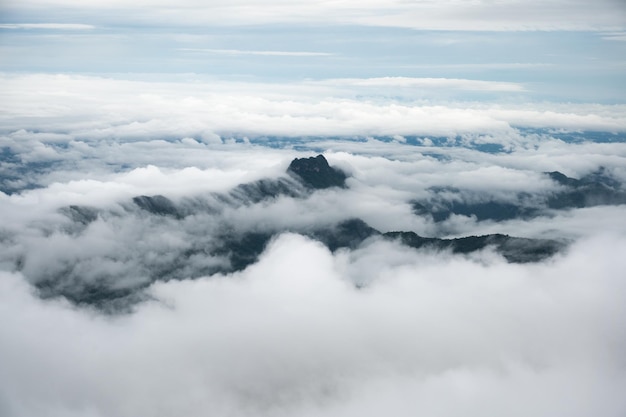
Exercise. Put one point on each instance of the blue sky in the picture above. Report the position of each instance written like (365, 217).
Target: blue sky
(559, 51)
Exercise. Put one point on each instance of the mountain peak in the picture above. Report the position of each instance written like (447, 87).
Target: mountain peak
(563, 179)
(316, 173)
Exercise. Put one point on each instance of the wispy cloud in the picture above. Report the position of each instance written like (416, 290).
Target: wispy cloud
(47, 26)
(451, 83)
(483, 66)
(479, 15)
(614, 36)
(260, 53)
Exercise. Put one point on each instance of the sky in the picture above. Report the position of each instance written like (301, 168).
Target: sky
(554, 50)
(415, 100)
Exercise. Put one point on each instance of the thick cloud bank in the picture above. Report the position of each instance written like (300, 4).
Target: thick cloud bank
(94, 108)
(146, 190)
(380, 328)
(290, 336)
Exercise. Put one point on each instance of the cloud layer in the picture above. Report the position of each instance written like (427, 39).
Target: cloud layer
(47, 26)
(375, 329)
(95, 108)
(292, 336)
(426, 15)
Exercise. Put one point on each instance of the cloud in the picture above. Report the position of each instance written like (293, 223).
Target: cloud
(425, 15)
(47, 26)
(125, 247)
(614, 36)
(93, 108)
(303, 331)
(378, 328)
(404, 82)
(499, 16)
(261, 53)
(485, 66)
(293, 336)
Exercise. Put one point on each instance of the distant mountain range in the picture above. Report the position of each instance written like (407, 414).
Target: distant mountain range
(595, 189)
(234, 249)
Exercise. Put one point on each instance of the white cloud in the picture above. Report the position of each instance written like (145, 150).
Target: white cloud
(614, 36)
(47, 26)
(425, 334)
(480, 15)
(292, 336)
(92, 108)
(570, 224)
(261, 53)
(428, 333)
(408, 82)
(483, 66)
(384, 178)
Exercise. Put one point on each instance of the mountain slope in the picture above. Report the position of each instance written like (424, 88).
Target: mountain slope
(154, 238)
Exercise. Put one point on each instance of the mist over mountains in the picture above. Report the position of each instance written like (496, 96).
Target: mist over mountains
(322, 248)
(155, 238)
(594, 189)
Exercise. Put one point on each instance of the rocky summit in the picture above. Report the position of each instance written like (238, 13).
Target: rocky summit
(216, 244)
(316, 173)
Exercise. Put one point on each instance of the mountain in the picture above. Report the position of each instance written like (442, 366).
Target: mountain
(594, 189)
(349, 233)
(214, 244)
(316, 173)
(157, 204)
(513, 249)
(305, 175)
(441, 210)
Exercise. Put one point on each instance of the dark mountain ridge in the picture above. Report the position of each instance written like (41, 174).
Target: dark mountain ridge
(305, 175)
(595, 189)
(226, 248)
